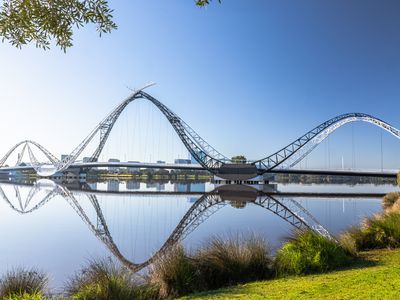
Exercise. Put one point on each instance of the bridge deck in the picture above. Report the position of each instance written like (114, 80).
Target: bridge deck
(81, 165)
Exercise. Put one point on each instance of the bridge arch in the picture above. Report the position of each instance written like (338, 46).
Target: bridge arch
(27, 144)
(206, 155)
(297, 150)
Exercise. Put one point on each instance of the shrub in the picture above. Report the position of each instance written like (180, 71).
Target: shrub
(23, 281)
(390, 199)
(217, 264)
(381, 231)
(308, 252)
(103, 279)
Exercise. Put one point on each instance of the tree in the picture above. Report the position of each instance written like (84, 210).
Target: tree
(41, 21)
(204, 2)
(239, 159)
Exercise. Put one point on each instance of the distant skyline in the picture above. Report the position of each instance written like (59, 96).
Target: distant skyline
(249, 78)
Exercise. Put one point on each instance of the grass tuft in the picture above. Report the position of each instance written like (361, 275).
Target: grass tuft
(390, 199)
(218, 263)
(23, 281)
(235, 260)
(308, 252)
(174, 273)
(380, 231)
(348, 242)
(103, 279)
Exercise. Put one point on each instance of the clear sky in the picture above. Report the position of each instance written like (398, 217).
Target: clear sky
(248, 76)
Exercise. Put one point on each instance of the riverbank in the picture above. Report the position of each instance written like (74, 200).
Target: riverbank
(377, 277)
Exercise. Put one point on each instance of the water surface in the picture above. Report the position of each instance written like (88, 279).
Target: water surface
(58, 227)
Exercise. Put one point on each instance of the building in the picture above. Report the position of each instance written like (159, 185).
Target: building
(192, 160)
(113, 186)
(151, 185)
(198, 187)
(133, 169)
(86, 159)
(181, 161)
(160, 187)
(65, 156)
(93, 185)
(132, 185)
(112, 168)
(182, 187)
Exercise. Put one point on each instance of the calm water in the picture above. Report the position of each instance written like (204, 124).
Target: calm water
(57, 228)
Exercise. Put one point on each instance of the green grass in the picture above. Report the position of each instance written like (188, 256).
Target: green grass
(376, 278)
(26, 296)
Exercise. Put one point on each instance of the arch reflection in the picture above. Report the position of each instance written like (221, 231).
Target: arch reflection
(38, 194)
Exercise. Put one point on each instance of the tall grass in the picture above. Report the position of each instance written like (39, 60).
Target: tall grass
(218, 263)
(380, 231)
(308, 252)
(26, 296)
(348, 242)
(23, 281)
(390, 199)
(175, 273)
(103, 279)
(237, 259)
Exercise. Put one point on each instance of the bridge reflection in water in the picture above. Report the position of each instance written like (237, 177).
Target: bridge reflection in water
(26, 199)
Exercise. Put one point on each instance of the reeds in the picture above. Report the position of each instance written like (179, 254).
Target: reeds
(390, 199)
(218, 263)
(223, 262)
(22, 281)
(380, 231)
(104, 279)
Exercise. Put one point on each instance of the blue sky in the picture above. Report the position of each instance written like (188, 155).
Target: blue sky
(248, 76)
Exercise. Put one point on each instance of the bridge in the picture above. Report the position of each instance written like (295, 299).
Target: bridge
(206, 155)
(196, 167)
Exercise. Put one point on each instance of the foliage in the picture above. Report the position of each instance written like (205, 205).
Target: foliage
(26, 296)
(240, 159)
(380, 231)
(203, 3)
(218, 263)
(308, 252)
(235, 260)
(174, 273)
(103, 279)
(22, 281)
(348, 242)
(390, 199)
(377, 276)
(40, 21)
(398, 178)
